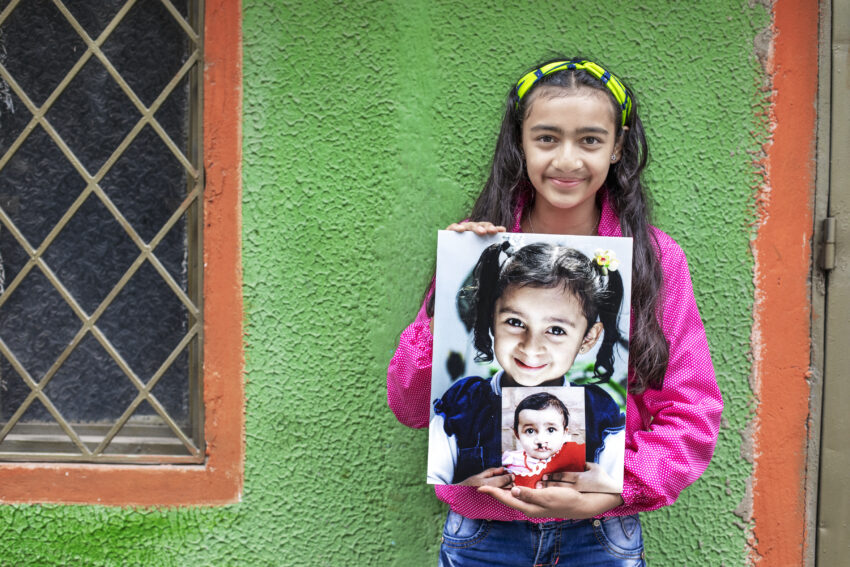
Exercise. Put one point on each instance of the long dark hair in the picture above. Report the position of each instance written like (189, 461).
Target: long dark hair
(546, 265)
(508, 185)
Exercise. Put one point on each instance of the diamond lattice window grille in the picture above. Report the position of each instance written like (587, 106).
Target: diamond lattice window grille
(100, 232)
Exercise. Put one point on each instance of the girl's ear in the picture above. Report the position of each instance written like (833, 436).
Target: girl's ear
(617, 153)
(590, 337)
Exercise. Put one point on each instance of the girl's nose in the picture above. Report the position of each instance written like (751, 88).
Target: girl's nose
(533, 345)
(567, 159)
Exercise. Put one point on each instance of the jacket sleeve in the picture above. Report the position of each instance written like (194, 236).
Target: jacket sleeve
(671, 432)
(409, 373)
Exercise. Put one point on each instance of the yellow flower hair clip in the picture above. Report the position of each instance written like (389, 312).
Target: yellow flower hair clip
(606, 260)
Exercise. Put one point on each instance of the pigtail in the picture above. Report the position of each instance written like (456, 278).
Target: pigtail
(486, 276)
(609, 316)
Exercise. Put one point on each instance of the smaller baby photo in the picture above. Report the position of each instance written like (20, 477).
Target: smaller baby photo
(542, 432)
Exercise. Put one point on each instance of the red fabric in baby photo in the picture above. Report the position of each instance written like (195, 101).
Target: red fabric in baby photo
(570, 458)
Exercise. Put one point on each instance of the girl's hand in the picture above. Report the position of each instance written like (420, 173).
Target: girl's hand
(592, 479)
(482, 228)
(497, 478)
(555, 502)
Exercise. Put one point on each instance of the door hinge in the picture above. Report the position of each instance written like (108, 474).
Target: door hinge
(828, 241)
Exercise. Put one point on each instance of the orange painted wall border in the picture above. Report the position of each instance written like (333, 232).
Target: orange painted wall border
(219, 480)
(782, 311)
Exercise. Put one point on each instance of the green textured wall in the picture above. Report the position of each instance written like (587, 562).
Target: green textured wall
(367, 127)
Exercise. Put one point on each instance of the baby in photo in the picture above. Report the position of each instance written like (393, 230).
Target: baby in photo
(541, 427)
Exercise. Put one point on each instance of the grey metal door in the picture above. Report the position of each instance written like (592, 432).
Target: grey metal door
(833, 510)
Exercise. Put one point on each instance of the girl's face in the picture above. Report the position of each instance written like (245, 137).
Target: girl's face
(541, 432)
(537, 333)
(568, 137)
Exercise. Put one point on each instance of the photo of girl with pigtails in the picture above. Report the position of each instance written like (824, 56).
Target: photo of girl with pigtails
(530, 360)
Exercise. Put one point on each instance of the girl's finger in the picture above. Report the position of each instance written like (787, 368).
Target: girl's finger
(497, 471)
(480, 228)
(571, 477)
(497, 481)
(554, 484)
(529, 501)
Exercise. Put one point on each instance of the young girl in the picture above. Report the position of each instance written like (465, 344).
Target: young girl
(536, 308)
(568, 160)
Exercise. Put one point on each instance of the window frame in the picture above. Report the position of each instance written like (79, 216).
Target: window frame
(219, 479)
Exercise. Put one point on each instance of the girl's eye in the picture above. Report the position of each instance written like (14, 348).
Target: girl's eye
(514, 322)
(558, 331)
(546, 139)
(529, 431)
(591, 140)
(552, 430)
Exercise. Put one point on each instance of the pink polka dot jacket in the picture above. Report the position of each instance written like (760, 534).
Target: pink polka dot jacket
(670, 433)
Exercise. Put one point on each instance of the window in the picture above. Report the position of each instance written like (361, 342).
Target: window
(100, 202)
(209, 275)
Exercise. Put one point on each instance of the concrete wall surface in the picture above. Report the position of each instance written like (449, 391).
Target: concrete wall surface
(368, 126)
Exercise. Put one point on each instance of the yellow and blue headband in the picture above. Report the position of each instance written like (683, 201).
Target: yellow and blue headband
(621, 94)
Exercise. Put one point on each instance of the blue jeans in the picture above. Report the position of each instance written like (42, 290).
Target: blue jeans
(616, 541)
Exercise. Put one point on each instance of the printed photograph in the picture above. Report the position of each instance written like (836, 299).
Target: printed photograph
(530, 314)
(542, 432)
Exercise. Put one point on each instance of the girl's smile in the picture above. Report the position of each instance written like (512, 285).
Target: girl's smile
(537, 333)
(568, 138)
(565, 183)
(527, 367)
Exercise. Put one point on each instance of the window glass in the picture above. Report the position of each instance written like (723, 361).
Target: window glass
(100, 196)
